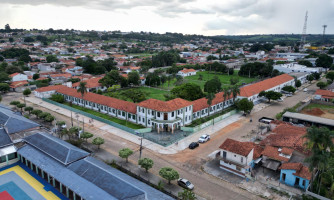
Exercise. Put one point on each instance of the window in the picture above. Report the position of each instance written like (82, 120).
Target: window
(119, 112)
(189, 117)
(149, 112)
(303, 184)
(123, 114)
(114, 111)
(133, 117)
(143, 119)
(242, 159)
(129, 115)
(172, 114)
(139, 118)
(142, 110)
(235, 155)
(153, 112)
(149, 121)
(186, 109)
(158, 114)
(186, 118)
(12, 156)
(178, 112)
(2, 159)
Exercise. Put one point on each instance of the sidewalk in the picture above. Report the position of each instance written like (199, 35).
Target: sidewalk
(172, 149)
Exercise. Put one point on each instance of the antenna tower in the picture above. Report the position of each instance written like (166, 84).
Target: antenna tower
(323, 34)
(303, 39)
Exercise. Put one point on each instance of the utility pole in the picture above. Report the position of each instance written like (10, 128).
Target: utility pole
(71, 119)
(141, 147)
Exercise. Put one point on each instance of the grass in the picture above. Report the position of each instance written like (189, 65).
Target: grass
(292, 109)
(224, 79)
(107, 117)
(154, 93)
(321, 106)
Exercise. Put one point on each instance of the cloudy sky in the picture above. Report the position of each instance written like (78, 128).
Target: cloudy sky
(207, 17)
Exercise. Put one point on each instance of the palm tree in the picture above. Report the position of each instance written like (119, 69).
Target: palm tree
(82, 89)
(210, 97)
(235, 90)
(227, 93)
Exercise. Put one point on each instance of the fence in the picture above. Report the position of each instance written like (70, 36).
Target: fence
(209, 123)
(124, 128)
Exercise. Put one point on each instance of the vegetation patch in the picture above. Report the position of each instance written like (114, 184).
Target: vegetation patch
(107, 117)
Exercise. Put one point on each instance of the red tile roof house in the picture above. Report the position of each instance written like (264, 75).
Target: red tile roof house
(324, 95)
(187, 72)
(91, 85)
(295, 174)
(18, 77)
(272, 84)
(239, 157)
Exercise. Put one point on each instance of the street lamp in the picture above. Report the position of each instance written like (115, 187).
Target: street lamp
(141, 143)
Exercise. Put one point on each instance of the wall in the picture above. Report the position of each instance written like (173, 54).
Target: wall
(290, 178)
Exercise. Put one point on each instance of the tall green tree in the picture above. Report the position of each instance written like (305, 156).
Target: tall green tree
(324, 61)
(188, 91)
(4, 87)
(98, 141)
(298, 83)
(235, 90)
(82, 90)
(321, 85)
(270, 95)
(145, 163)
(133, 78)
(244, 105)
(213, 86)
(210, 97)
(330, 76)
(226, 95)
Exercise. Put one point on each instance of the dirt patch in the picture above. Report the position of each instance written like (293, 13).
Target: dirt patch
(314, 111)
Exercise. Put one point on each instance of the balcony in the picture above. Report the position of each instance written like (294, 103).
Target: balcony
(233, 162)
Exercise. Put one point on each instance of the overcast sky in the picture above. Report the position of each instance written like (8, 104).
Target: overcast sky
(206, 17)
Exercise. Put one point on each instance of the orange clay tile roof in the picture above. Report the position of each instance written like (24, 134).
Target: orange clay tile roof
(42, 78)
(17, 84)
(200, 104)
(240, 148)
(273, 153)
(287, 136)
(165, 106)
(287, 151)
(185, 70)
(12, 75)
(66, 75)
(256, 88)
(49, 88)
(101, 99)
(325, 93)
(90, 83)
(301, 170)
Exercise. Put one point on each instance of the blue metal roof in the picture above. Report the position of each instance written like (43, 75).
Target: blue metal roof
(15, 122)
(58, 149)
(77, 184)
(4, 138)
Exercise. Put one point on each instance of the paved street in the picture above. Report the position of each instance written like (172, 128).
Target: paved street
(187, 162)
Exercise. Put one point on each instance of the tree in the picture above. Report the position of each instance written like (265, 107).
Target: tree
(42, 115)
(146, 163)
(289, 88)
(25, 58)
(111, 78)
(133, 78)
(200, 77)
(234, 80)
(270, 95)
(29, 39)
(169, 174)
(213, 86)
(26, 93)
(49, 118)
(245, 105)
(11, 69)
(7, 28)
(310, 78)
(235, 91)
(179, 80)
(135, 95)
(82, 89)
(51, 58)
(4, 87)
(57, 98)
(125, 153)
(316, 75)
(331, 51)
(210, 97)
(330, 76)
(256, 69)
(21, 106)
(226, 94)
(324, 61)
(98, 141)
(188, 91)
(14, 103)
(36, 112)
(35, 76)
(86, 135)
(186, 195)
(298, 83)
(306, 63)
(29, 109)
(4, 77)
(321, 85)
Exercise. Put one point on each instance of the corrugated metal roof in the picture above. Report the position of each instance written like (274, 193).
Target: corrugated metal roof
(58, 149)
(309, 118)
(4, 138)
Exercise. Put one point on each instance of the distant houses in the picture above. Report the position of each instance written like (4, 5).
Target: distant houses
(187, 72)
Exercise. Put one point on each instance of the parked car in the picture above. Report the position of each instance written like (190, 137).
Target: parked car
(305, 90)
(185, 183)
(280, 100)
(289, 95)
(204, 138)
(193, 145)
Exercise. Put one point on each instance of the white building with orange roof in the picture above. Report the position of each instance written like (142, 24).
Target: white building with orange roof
(187, 72)
(18, 77)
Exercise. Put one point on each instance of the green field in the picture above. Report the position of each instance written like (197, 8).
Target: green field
(154, 93)
(224, 79)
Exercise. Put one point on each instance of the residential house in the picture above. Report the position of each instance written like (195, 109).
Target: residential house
(18, 77)
(187, 72)
(19, 86)
(324, 95)
(273, 157)
(239, 157)
(47, 92)
(91, 84)
(295, 174)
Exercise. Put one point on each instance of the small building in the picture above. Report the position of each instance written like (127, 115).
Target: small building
(324, 95)
(308, 120)
(187, 72)
(294, 67)
(18, 77)
(47, 92)
(91, 84)
(239, 157)
(295, 174)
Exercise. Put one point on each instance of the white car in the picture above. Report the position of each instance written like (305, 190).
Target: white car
(204, 138)
(185, 183)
